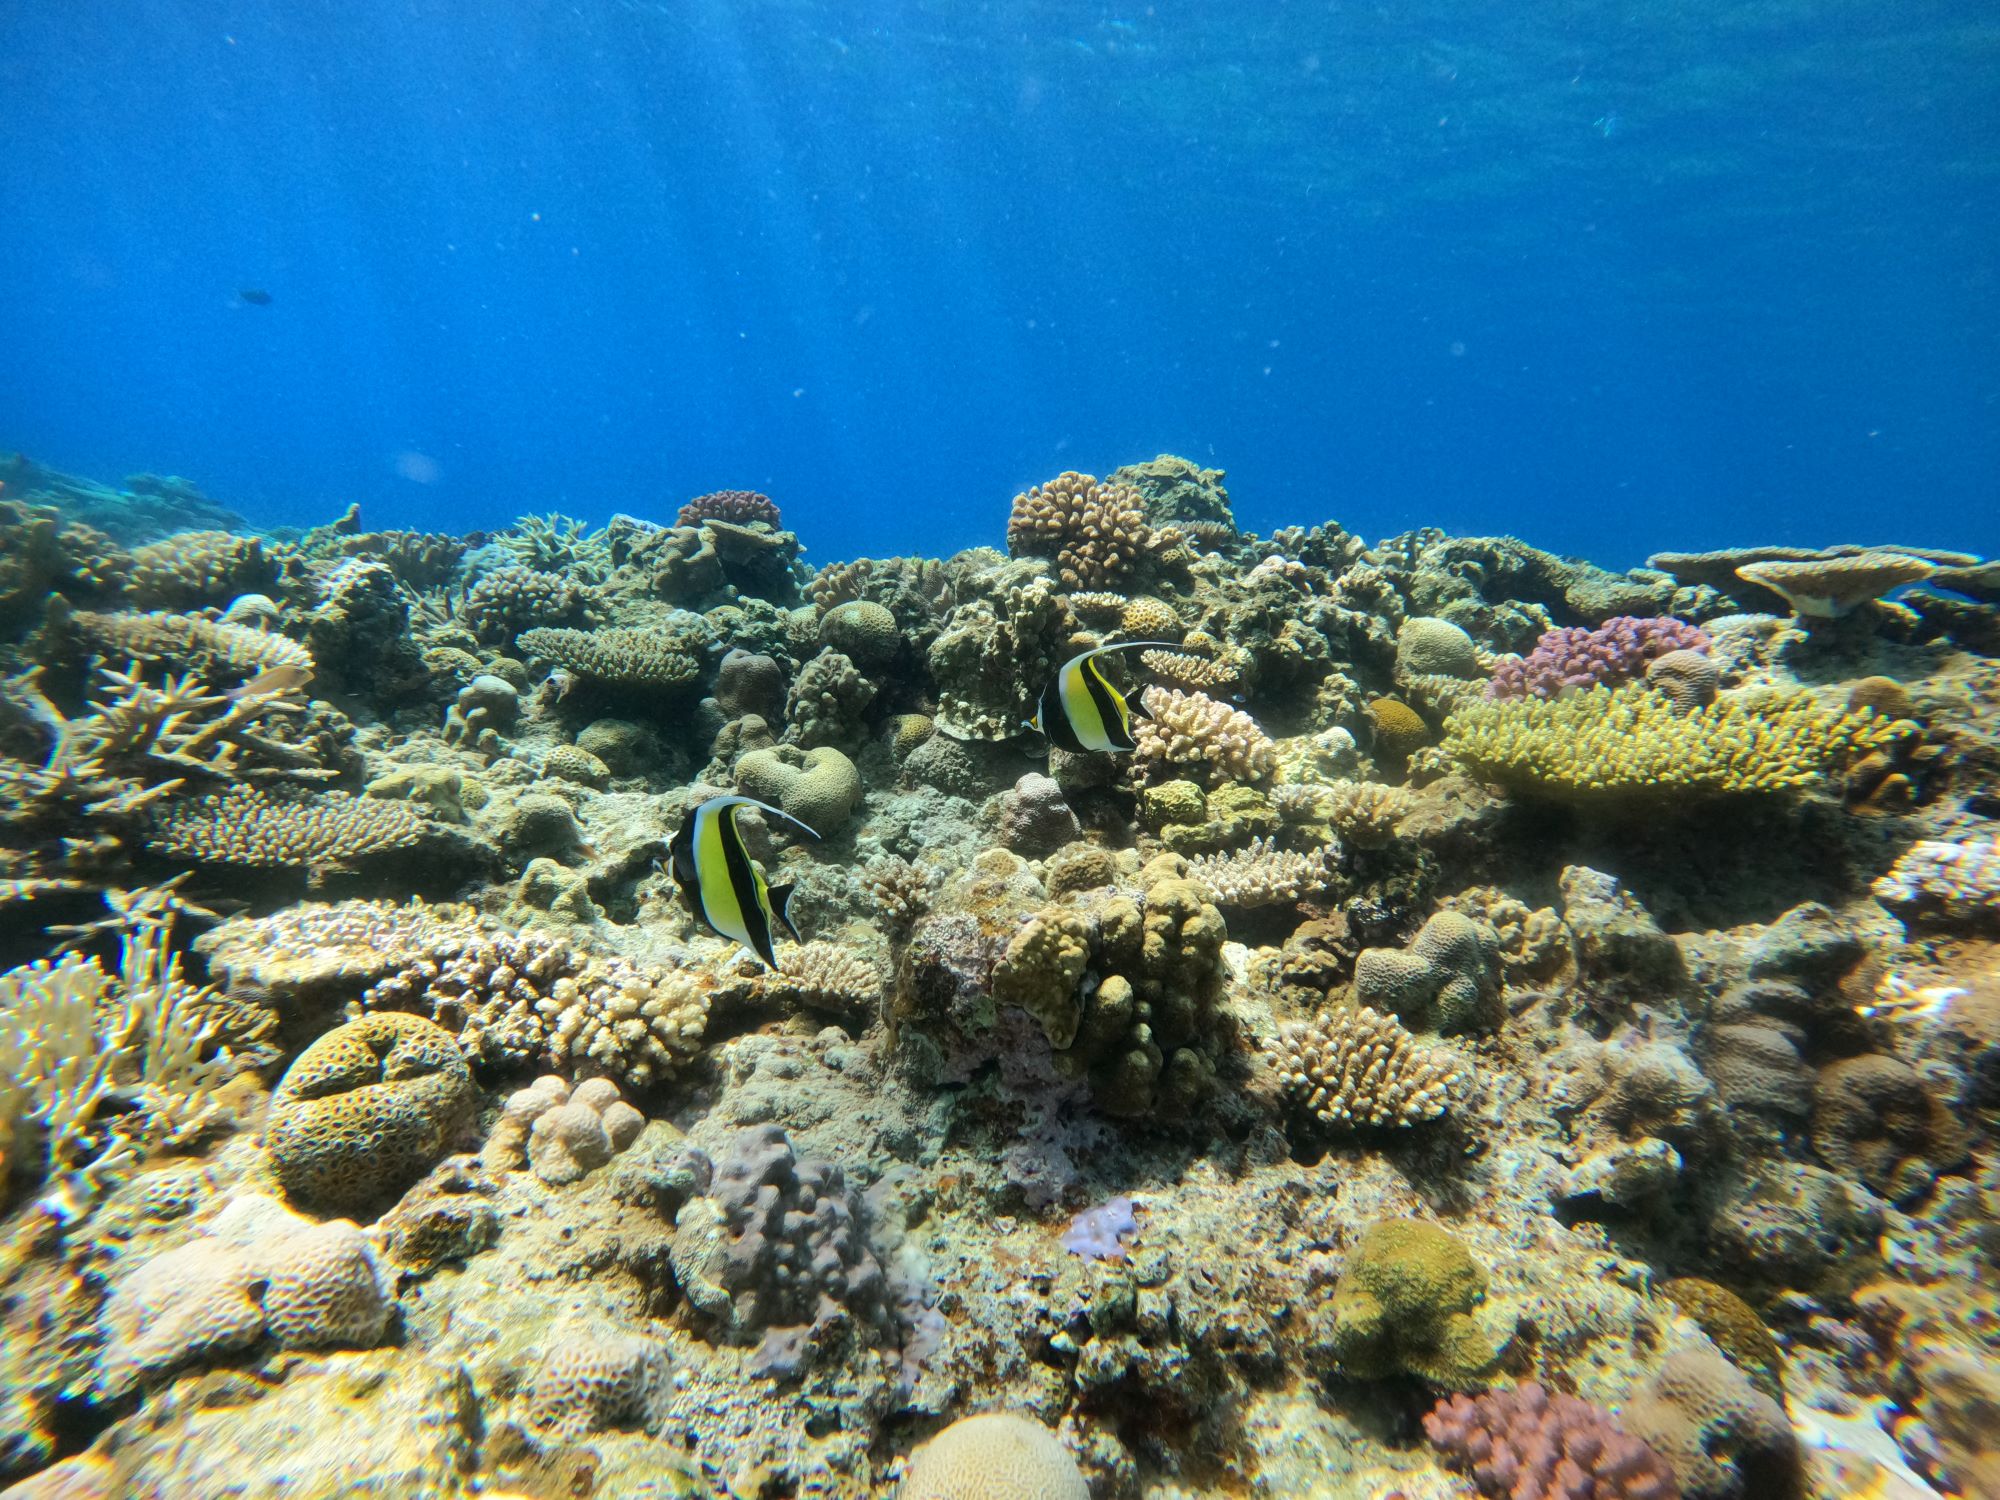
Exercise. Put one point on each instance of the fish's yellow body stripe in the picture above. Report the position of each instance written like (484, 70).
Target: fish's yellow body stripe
(1081, 708)
(718, 891)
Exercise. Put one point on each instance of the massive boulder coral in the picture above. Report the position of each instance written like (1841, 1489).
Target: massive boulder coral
(998, 1456)
(1148, 1034)
(827, 703)
(509, 600)
(995, 653)
(366, 1109)
(1723, 1438)
(1627, 743)
(1877, 1119)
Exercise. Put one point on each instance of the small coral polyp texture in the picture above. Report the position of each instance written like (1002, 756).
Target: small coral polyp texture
(1483, 967)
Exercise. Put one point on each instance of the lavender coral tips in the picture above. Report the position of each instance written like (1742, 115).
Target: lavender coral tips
(1526, 1444)
(1617, 651)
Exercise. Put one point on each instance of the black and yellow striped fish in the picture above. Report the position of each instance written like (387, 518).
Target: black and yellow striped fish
(1079, 710)
(721, 882)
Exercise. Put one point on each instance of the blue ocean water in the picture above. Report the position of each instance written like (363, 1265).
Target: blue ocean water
(1615, 277)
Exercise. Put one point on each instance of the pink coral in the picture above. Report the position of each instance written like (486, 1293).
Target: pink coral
(1616, 651)
(738, 506)
(1526, 1444)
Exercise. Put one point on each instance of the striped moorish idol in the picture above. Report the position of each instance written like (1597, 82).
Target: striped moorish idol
(1080, 710)
(721, 882)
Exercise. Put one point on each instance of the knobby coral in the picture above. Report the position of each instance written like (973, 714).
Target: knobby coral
(1095, 533)
(1355, 1066)
(1192, 729)
(1566, 660)
(1526, 1444)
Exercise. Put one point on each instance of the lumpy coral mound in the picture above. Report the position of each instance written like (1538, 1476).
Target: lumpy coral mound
(739, 507)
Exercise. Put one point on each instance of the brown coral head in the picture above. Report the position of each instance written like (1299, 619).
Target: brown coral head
(1828, 587)
(1687, 678)
(1885, 695)
(1094, 532)
(739, 506)
(1398, 728)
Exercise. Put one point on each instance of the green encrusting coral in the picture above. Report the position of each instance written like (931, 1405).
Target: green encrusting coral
(1405, 1308)
(1629, 742)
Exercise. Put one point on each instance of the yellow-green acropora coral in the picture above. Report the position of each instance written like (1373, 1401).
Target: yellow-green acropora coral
(1628, 742)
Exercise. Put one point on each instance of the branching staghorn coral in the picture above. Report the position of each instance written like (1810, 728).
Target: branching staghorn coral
(1631, 743)
(1191, 729)
(556, 543)
(1260, 875)
(140, 743)
(1353, 1066)
(74, 1038)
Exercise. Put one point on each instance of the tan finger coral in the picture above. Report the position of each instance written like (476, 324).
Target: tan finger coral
(248, 826)
(1095, 533)
(195, 568)
(628, 658)
(1630, 743)
(1191, 729)
(1260, 875)
(828, 979)
(1365, 813)
(1354, 1066)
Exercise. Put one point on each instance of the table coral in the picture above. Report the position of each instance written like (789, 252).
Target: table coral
(252, 827)
(1828, 587)
(646, 660)
(214, 648)
(1627, 743)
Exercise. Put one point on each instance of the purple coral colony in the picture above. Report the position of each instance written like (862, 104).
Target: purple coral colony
(1504, 1028)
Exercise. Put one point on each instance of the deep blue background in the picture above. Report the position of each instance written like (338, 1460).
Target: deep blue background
(1612, 276)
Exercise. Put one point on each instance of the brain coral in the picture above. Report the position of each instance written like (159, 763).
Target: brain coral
(1095, 533)
(325, 1288)
(820, 787)
(1723, 1438)
(1405, 1306)
(592, 1379)
(366, 1109)
(1688, 679)
(247, 825)
(1450, 974)
(183, 1304)
(627, 658)
(1355, 1066)
(1629, 743)
(1877, 1119)
(862, 630)
(998, 1456)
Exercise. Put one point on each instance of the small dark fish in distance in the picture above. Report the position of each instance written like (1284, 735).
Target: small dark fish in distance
(256, 296)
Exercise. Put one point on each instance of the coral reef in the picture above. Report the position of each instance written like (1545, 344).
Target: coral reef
(1171, 1123)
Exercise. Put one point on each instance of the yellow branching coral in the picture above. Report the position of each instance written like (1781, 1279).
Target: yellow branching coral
(1627, 742)
(1095, 533)
(1192, 729)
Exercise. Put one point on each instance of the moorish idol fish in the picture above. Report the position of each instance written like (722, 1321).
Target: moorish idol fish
(722, 884)
(1080, 710)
